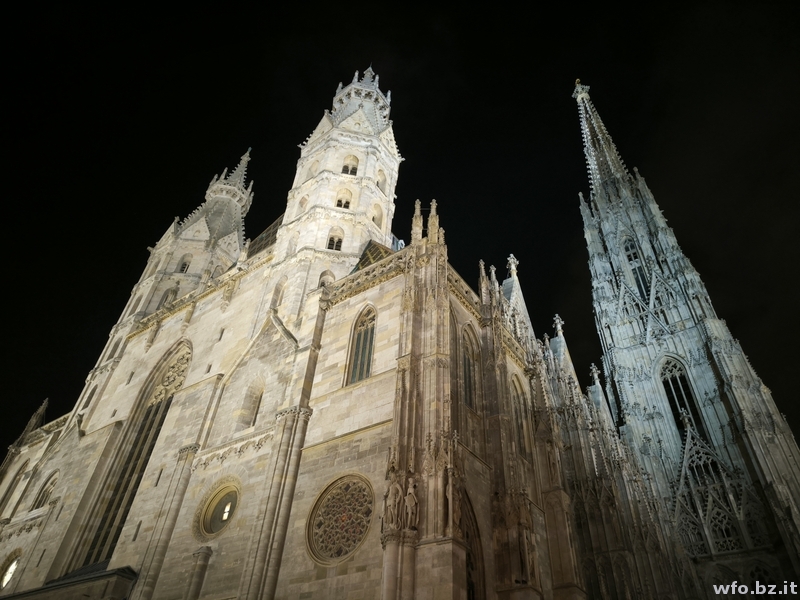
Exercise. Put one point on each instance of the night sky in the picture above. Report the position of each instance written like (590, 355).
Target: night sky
(116, 122)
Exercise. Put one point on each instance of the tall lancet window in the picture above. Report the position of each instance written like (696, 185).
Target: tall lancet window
(123, 481)
(520, 418)
(468, 370)
(632, 254)
(681, 399)
(362, 347)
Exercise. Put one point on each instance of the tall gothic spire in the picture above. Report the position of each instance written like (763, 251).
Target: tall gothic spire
(602, 158)
(233, 186)
(240, 173)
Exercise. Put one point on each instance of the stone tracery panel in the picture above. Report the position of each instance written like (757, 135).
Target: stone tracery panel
(339, 521)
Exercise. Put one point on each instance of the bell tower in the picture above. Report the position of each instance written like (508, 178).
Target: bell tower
(682, 392)
(343, 191)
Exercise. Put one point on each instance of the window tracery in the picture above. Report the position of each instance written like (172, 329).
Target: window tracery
(339, 521)
(468, 355)
(12, 486)
(681, 399)
(362, 347)
(123, 483)
(43, 497)
(635, 263)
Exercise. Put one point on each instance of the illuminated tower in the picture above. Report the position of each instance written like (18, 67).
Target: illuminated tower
(683, 395)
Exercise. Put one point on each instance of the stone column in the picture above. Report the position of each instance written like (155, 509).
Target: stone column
(162, 533)
(270, 532)
(409, 565)
(391, 547)
(198, 575)
(287, 498)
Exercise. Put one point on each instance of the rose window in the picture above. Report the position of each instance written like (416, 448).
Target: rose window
(340, 519)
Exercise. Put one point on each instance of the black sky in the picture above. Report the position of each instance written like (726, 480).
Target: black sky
(116, 122)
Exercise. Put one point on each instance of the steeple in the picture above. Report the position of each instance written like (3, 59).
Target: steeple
(602, 159)
(232, 186)
(343, 192)
(671, 366)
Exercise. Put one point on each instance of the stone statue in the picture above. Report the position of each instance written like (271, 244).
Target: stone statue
(392, 501)
(412, 506)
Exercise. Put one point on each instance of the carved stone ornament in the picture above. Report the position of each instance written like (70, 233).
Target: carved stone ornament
(340, 519)
(173, 378)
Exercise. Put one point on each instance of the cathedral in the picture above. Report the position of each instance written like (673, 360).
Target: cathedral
(327, 411)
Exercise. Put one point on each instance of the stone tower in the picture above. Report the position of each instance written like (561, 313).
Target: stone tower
(699, 422)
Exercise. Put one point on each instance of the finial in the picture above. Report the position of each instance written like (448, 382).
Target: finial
(238, 175)
(433, 225)
(491, 273)
(512, 264)
(595, 373)
(557, 323)
(339, 88)
(416, 223)
(355, 77)
(580, 90)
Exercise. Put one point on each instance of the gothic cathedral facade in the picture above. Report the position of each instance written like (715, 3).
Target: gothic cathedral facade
(326, 412)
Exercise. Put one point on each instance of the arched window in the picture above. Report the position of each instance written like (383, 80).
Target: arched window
(123, 481)
(350, 166)
(183, 263)
(468, 360)
(377, 215)
(43, 497)
(381, 181)
(632, 255)
(521, 418)
(12, 486)
(168, 296)
(681, 399)
(343, 199)
(362, 347)
(335, 239)
(252, 404)
(277, 294)
(9, 567)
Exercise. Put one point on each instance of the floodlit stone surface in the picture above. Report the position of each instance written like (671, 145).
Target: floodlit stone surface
(382, 430)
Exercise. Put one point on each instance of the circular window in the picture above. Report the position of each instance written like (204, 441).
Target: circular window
(339, 521)
(9, 572)
(219, 510)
